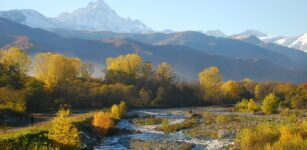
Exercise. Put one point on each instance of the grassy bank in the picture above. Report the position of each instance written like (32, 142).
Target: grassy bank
(34, 137)
(41, 127)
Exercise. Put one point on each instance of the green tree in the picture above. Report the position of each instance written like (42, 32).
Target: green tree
(36, 96)
(10, 76)
(145, 96)
(12, 99)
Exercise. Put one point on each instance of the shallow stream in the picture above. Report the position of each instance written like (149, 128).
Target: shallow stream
(149, 132)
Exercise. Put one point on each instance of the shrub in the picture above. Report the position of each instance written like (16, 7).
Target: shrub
(246, 106)
(270, 104)
(122, 108)
(252, 106)
(148, 121)
(222, 119)
(186, 124)
(118, 111)
(289, 136)
(208, 117)
(102, 123)
(63, 131)
(115, 112)
(263, 134)
(36, 141)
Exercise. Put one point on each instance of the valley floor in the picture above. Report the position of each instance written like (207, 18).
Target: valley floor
(217, 129)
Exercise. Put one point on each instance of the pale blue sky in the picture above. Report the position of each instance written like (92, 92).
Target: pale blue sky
(274, 17)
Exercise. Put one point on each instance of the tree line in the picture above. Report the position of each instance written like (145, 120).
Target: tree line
(56, 79)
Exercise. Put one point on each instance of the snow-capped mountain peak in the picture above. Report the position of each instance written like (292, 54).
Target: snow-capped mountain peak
(96, 16)
(300, 43)
(297, 42)
(99, 16)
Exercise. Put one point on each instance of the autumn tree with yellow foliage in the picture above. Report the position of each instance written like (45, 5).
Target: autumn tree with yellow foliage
(124, 68)
(164, 73)
(15, 57)
(63, 132)
(270, 104)
(118, 111)
(210, 81)
(55, 68)
(115, 112)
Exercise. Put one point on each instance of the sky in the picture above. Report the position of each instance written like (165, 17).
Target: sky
(273, 17)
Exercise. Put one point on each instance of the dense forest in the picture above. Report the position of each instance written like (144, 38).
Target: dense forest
(50, 80)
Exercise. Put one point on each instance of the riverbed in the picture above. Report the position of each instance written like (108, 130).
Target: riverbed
(149, 137)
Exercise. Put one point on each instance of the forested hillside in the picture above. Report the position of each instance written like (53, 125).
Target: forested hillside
(186, 61)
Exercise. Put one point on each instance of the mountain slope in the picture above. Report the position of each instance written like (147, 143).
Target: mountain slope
(296, 42)
(195, 40)
(215, 33)
(293, 54)
(30, 18)
(251, 32)
(300, 43)
(186, 61)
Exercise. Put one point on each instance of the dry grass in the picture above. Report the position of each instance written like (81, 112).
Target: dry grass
(148, 121)
(37, 128)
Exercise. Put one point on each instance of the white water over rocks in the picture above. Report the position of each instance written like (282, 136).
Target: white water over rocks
(149, 132)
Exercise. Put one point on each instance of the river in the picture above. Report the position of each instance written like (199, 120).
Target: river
(149, 132)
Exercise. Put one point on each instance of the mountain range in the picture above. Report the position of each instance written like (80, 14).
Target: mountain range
(96, 16)
(96, 32)
(297, 42)
(186, 61)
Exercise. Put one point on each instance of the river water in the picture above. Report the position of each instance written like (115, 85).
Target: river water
(149, 132)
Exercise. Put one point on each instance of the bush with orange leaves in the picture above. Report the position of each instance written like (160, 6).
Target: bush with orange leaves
(102, 123)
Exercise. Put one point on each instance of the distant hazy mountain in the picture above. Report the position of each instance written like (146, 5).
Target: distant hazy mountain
(215, 33)
(294, 54)
(296, 42)
(197, 41)
(186, 61)
(251, 32)
(30, 18)
(97, 16)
